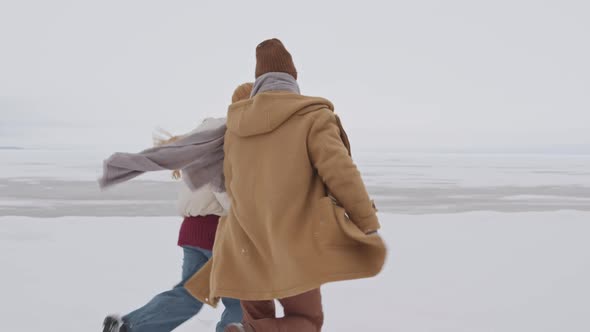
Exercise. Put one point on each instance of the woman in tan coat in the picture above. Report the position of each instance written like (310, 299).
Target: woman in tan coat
(300, 214)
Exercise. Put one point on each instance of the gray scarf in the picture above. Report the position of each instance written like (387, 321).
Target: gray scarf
(275, 81)
(199, 155)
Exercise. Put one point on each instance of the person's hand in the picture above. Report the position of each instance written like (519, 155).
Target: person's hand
(371, 232)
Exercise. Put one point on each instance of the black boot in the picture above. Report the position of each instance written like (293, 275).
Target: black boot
(113, 324)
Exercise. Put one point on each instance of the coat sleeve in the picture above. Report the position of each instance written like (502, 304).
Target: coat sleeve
(334, 165)
(227, 175)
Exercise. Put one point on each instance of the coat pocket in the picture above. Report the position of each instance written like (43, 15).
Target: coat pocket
(334, 228)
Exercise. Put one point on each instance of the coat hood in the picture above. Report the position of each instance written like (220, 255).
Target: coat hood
(267, 111)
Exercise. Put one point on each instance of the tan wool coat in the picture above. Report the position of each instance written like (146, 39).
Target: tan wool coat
(299, 210)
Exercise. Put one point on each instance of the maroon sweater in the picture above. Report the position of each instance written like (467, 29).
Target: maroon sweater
(198, 231)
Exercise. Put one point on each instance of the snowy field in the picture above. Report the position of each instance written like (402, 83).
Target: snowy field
(477, 243)
(470, 272)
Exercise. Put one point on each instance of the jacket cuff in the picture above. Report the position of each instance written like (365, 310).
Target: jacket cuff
(367, 220)
(368, 224)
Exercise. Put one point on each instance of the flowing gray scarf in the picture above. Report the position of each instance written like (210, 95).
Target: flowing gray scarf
(275, 81)
(199, 155)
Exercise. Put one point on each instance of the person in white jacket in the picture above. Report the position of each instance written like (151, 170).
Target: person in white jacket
(201, 210)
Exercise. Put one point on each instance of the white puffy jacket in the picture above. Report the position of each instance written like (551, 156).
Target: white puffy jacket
(203, 201)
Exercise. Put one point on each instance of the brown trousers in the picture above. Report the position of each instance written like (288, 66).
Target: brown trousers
(303, 313)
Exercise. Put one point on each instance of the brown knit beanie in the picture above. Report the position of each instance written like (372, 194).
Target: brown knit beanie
(242, 92)
(271, 55)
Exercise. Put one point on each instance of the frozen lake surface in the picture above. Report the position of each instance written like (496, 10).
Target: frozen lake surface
(55, 183)
(477, 243)
(467, 272)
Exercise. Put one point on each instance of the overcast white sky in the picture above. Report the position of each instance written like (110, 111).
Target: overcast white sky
(404, 74)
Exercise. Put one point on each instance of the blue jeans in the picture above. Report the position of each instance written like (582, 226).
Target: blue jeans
(168, 310)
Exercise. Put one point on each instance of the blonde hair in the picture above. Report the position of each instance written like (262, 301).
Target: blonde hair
(242, 92)
(162, 137)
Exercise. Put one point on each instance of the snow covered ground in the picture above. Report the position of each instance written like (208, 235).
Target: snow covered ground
(477, 243)
(471, 272)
